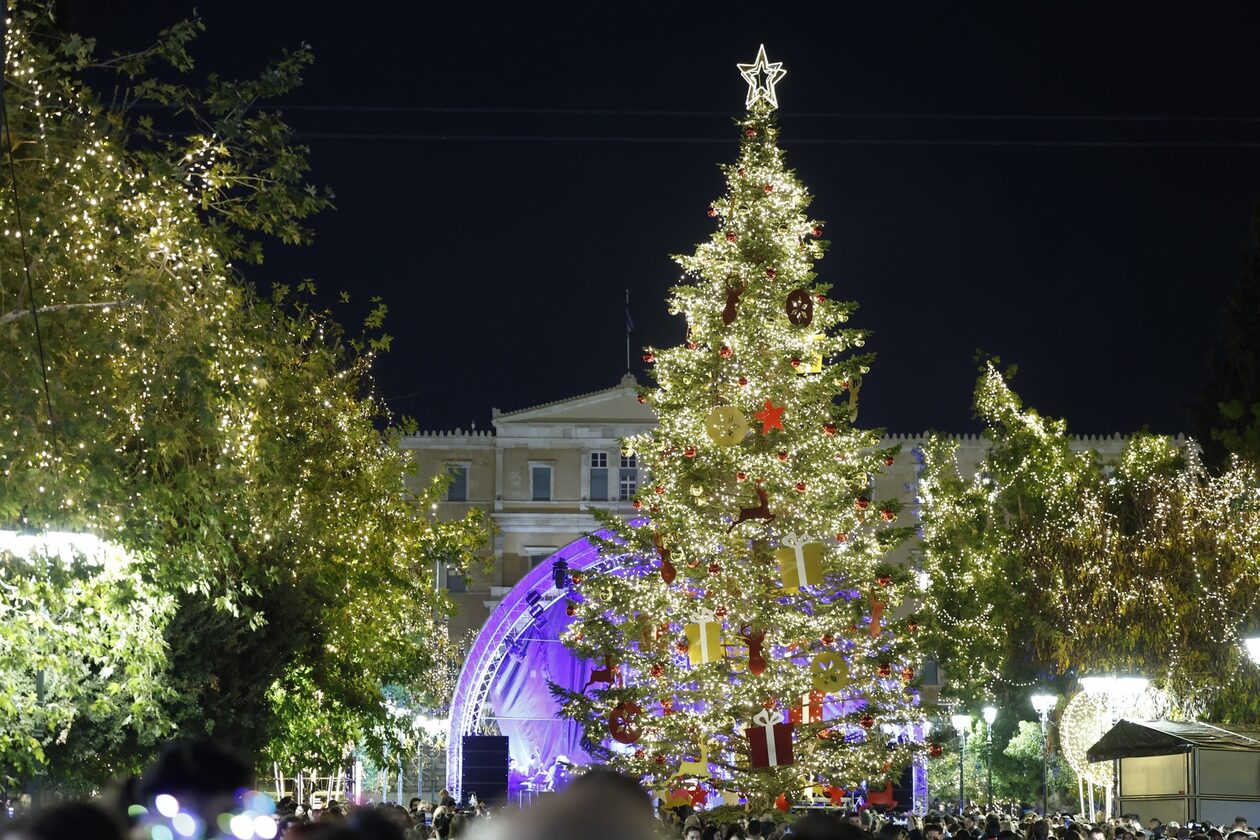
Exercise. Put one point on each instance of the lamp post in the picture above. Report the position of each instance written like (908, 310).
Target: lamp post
(1114, 687)
(990, 715)
(1042, 704)
(962, 725)
(1253, 647)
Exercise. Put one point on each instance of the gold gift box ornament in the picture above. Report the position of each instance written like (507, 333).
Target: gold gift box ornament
(704, 638)
(800, 562)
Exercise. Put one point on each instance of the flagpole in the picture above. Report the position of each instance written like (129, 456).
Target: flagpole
(627, 330)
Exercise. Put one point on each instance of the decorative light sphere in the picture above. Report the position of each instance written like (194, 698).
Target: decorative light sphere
(962, 723)
(990, 714)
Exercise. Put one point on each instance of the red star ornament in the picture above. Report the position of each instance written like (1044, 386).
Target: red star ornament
(770, 417)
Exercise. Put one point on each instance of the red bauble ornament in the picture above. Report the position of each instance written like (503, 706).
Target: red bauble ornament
(935, 750)
(654, 509)
(884, 580)
(689, 452)
(730, 236)
(796, 363)
(769, 703)
(657, 671)
(681, 647)
(817, 231)
(623, 722)
(820, 298)
(649, 357)
(771, 273)
(783, 456)
(638, 505)
(714, 568)
(743, 380)
(748, 132)
(800, 487)
(889, 461)
(841, 537)
(659, 490)
(867, 721)
(724, 352)
(907, 674)
(769, 188)
(741, 476)
(638, 753)
(740, 172)
(830, 429)
(828, 639)
(577, 578)
(660, 759)
(888, 514)
(641, 398)
(712, 212)
(885, 670)
(861, 503)
(912, 626)
(667, 705)
(720, 612)
(691, 345)
(824, 734)
(570, 608)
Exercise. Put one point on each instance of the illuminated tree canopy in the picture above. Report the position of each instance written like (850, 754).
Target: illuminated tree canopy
(231, 443)
(1051, 560)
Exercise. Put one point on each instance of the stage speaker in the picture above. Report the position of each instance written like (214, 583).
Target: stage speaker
(485, 768)
(903, 790)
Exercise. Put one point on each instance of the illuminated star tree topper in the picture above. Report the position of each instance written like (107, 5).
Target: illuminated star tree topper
(762, 76)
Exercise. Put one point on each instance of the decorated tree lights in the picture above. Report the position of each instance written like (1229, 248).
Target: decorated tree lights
(751, 612)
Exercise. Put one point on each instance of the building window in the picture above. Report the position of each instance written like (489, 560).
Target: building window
(599, 477)
(628, 481)
(455, 582)
(457, 490)
(540, 482)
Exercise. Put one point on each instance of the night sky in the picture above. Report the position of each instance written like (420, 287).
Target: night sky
(1063, 185)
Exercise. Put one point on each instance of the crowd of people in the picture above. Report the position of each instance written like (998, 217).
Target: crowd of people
(196, 791)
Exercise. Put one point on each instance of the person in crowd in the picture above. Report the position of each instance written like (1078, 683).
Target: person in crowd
(446, 800)
(933, 831)
(824, 826)
(66, 821)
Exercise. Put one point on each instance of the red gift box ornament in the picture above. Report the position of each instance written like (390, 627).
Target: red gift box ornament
(810, 708)
(770, 741)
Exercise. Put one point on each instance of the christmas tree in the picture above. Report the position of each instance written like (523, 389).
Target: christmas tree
(746, 628)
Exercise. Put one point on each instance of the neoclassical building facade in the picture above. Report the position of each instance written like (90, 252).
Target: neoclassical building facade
(540, 471)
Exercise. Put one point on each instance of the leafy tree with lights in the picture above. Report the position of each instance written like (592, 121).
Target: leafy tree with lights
(749, 629)
(1071, 564)
(228, 443)
(1226, 413)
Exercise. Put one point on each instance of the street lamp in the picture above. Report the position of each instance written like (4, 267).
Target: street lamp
(962, 725)
(1042, 704)
(990, 715)
(1253, 647)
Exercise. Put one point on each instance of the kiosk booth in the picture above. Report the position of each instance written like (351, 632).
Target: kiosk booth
(1188, 772)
